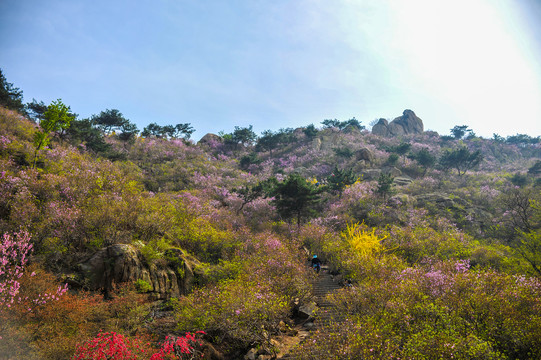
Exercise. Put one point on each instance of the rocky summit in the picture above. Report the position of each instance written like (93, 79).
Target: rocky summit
(406, 124)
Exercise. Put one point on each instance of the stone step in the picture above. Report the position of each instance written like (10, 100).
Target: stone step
(327, 313)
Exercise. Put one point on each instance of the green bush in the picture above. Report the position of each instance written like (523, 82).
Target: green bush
(141, 286)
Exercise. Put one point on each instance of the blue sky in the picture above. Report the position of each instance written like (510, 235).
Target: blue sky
(218, 64)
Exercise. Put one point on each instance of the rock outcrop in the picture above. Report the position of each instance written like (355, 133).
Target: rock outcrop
(402, 180)
(210, 140)
(406, 124)
(306, 311)
(441, 201)
(364, 154)
(373, 174)
(123, 263)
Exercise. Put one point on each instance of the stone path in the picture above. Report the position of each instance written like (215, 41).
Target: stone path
(326, 313)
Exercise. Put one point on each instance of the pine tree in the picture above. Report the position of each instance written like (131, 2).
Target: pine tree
(295, 198)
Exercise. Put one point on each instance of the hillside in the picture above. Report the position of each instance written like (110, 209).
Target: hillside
(170, 246)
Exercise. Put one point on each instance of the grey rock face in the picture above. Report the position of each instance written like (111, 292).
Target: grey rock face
(123, 263)
(364, 154)
(406, 124)
(402, 180)
(381, 128)
(438, 199)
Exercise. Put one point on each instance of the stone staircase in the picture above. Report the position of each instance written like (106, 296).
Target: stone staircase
(326, 313)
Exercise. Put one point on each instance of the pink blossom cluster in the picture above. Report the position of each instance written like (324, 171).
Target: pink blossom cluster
(489, 193)
(42, 299)
(438, 282)
(14, 252)
(14, 255)
(4, 141)
(461, 266)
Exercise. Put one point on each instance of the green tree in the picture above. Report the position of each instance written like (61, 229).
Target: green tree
(344, 152)
(529, 240)
(248, 160)
(519, 179)
(392, 160)
(11, 97)
(182, 130)
(385, 185)
(354, 123)
(295, 198)
(310, 131)
(109, 120)
(268, 141)
(244, 136)
(535, 169)
(522, 140)
(168, 131)
(35, 110)
(402, 150)
(498, 138)
(153, 129)
(271, 140)
(339, 179)
(529, 247)
(460, 159)
(249, 193)
(459, 131)
(425, 159)
(57, 118)
(128, 131)
(331, 123)
(82, 132)
(341, 125)
(286, 136)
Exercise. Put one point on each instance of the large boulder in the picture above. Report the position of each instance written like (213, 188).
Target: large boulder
(364, 154)
(438, 199)
(306, 311)
(381, 128)
(402, 180)
(406, 124)
(210, 140)
(123, 263)
(373, 174)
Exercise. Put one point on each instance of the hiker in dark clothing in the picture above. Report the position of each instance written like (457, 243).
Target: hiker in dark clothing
(316, 263)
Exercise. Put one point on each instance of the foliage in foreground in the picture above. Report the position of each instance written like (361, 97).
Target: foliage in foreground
(435, 310)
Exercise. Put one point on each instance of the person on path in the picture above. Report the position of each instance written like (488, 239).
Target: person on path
(316, 263)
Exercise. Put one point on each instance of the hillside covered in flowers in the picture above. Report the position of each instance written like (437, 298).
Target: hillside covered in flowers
(148, 245)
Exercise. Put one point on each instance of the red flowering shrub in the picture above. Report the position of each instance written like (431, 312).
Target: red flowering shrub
(108, 346)
(182, 347)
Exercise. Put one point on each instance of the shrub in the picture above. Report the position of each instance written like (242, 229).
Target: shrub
(181, 347)
(364, 242)
(142, 286)
(241, 312)
(438, 310)
(111, 346)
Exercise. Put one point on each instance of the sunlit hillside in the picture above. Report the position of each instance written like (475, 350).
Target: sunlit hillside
(148, 245)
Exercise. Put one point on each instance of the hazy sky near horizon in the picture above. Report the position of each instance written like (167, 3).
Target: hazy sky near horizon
(273, 63)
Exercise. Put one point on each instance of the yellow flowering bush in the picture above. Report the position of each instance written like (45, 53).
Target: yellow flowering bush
(363, 241)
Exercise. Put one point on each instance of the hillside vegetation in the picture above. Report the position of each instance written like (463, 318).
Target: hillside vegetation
(114, 240)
